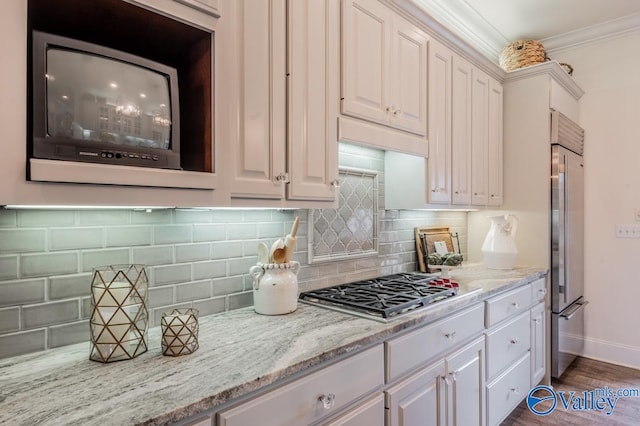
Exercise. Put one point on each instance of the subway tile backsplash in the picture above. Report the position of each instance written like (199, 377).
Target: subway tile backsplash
(194, 258)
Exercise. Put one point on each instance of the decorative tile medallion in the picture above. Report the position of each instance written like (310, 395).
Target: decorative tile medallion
(351, 230)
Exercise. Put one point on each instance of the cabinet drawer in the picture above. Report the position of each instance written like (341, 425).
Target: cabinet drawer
(510, 303)
(507, 343)
(299, 403)
(504, 393)
(409, 351)
(370, 413)
(538, 290)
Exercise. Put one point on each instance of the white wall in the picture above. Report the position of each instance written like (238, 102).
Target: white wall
(609, 73)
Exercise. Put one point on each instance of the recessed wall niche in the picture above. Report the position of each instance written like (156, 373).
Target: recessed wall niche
(134, 29)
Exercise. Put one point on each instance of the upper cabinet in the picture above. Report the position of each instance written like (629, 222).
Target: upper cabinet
(279, 103)
(449, 164)
(464, 167)
(486, 145)
(384, 78)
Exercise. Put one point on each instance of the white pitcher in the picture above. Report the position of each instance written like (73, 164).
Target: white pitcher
(499, 248)
(275, 287)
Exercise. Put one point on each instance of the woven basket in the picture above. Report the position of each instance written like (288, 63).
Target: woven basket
(522, 53)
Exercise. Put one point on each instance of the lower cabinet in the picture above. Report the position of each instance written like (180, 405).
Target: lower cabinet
(448, 392)
(419, 399)
(316, 396)
(506, 391)
(472, 367)
(369, 413)
(465, 385)
(538, 344)
(515, 341)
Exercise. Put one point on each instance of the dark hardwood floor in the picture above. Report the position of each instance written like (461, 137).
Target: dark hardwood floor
(585, 375)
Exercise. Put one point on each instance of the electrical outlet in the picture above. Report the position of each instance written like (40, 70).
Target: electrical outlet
(628, 231)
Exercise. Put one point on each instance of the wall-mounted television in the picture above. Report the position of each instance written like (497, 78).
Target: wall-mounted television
(91, 103)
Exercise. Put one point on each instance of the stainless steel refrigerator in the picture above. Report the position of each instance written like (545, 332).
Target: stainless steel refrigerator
(567, 243)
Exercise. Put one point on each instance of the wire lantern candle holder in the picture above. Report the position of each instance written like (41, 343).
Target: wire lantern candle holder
(179, 332)
(119, 314)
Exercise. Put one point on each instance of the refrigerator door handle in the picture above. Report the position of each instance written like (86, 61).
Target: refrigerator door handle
(562, 235)
(579, 305)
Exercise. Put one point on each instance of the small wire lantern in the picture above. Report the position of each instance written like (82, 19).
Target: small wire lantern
(119, 315)
(179, 332)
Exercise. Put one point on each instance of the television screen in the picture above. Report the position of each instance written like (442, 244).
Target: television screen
(95, 104)
(97, 99)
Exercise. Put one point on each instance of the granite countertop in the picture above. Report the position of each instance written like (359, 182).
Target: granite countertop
(240, 352)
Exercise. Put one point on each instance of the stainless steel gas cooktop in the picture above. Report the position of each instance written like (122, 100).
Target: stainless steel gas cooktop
(384, 298)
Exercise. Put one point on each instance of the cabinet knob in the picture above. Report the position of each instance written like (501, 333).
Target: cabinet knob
(335, 183)
(515, 390)
(542, 291)
(536, 320)
(282, 177)
(493, 195)
(515, 341)
(515, 305)
(327, 400)
(450, 335)
(397, 112)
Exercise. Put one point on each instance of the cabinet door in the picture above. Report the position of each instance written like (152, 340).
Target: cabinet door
(461, 131)
(370, 413)
(466, 385)
(313, 75)
(495, 143)
(439, 161)
(253, 111)
(479, 138)
(408, 77)
(418, 400)
(365, 60)
(538, 349)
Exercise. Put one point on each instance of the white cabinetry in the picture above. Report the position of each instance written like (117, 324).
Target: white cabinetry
(448, 392)
(464, 167)
(419, 399)
(538, 344)
(316, 396)
(486, 146)
(384, 77)
(450, 389)
(281, 108)
(449, 164)
(515, 344)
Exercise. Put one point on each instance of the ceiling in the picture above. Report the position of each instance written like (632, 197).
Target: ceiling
(489, 25)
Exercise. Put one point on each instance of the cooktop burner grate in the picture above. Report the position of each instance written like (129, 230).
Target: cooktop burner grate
(384, 297)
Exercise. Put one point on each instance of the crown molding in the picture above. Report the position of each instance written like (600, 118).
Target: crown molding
(468, 24)
(550, 68)
(592, 34)
(461, 19)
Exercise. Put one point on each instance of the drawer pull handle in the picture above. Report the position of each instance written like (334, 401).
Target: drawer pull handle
(515, 304)
(515, 390)
(514, 341)
(327, 400)
(451, 335)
